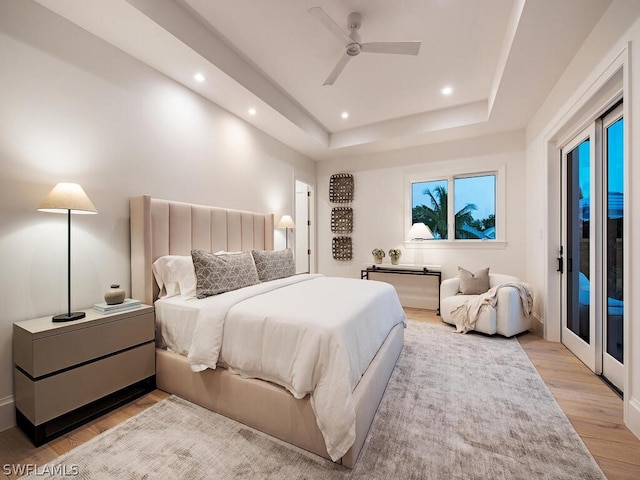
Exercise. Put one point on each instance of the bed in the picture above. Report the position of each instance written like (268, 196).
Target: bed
(161, 228)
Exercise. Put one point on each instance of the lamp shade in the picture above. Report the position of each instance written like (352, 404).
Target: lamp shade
(67, 198)
(286, 222)
(419, 231)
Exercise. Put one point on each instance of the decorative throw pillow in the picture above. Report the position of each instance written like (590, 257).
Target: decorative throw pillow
(222, 273)
(474, 283)
(272, 265)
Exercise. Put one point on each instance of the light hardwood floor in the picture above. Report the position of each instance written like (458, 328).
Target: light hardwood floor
(593, 409)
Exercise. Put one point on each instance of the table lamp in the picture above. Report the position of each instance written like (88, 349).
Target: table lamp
(418, 233)
(286, 222)
(68, 198)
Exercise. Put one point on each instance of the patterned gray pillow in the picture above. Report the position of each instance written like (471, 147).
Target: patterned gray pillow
(474, 283)
(272, 265)
(222, 273)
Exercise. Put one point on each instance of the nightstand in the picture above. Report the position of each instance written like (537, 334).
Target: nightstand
(66, 374)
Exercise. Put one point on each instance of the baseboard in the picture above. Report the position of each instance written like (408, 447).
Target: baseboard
(418, 301)
(7, 412)
(538, 324)
(633, 416)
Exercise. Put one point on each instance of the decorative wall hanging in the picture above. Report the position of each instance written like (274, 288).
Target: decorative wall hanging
(341, 220)
(341, 191)
(342, 248)
(341, 188)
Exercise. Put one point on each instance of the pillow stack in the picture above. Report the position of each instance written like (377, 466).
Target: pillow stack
(203, 274)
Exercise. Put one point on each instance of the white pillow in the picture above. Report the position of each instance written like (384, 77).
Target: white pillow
(175, 275)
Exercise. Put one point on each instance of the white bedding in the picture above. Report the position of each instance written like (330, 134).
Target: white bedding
(309, 333)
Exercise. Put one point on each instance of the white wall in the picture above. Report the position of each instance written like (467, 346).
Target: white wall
(615, 41)
(73, 108)
(380, 211)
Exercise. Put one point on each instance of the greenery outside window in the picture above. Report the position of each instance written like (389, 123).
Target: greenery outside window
(429, 206)
(472, 215)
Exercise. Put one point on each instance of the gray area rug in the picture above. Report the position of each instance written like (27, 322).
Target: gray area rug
(457, 407)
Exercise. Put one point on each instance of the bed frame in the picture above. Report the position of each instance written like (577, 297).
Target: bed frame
(161, 227)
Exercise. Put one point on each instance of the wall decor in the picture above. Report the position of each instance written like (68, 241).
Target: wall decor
(341, 220)
(341, 191)
(342, 248)
(341, 188)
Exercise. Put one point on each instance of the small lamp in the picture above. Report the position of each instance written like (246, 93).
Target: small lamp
(68, 198)
(286, 222)
(418, 233)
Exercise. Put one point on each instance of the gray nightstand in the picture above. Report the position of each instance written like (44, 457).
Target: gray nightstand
(69, 373)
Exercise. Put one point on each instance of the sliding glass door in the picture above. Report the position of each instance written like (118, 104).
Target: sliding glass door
(593, 244)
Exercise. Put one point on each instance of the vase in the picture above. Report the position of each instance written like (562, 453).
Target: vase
(377, 259)
(114, 295)
(394, 260)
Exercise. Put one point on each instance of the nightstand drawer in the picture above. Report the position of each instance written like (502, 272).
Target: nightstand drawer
(61, 350)
(50, 397)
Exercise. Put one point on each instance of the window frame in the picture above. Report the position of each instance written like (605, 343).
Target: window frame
(439, 174)
(495, 201)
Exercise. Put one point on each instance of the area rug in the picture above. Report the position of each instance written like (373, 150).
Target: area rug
(457, 407)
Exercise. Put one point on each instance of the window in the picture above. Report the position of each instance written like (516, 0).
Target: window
(474, 203)
(429, 206)
(473, 215)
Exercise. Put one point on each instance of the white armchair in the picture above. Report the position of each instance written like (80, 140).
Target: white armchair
(507, 318)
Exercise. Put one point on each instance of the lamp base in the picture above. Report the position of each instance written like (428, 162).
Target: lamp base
(69, 317)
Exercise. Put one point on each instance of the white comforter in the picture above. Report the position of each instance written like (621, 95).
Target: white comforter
(317, 336)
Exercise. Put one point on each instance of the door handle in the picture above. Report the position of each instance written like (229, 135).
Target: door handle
(560, 261)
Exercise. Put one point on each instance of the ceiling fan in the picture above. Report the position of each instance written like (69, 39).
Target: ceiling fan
(352, 44)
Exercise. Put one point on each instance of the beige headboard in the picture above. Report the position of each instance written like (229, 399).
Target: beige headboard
(163, 227)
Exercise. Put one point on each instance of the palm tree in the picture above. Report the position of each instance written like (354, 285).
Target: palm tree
(465, 217)
(435, 216)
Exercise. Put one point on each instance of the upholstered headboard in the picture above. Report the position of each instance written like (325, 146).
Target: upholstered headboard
(163, 227)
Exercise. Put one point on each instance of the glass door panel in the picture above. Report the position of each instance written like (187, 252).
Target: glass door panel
(614, 255)
(579, 320)
(578, 244)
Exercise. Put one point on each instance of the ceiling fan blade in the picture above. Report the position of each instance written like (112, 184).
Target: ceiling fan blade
(332, 26)
(337, 69)
(402, 48)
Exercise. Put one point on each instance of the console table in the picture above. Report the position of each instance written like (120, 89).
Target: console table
(404, 270)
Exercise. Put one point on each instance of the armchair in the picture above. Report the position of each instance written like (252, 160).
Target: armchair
(507, 318)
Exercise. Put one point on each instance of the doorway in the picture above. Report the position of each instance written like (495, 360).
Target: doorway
(592, 251)
(304, 239)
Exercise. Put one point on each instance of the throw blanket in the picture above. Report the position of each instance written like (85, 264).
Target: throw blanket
(466, 315)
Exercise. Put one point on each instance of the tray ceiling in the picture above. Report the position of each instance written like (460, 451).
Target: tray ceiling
(500, 58)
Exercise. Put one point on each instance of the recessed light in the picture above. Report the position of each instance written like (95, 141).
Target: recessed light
(345, 115)
(252, 111)
(447, 90)
(198, 77)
